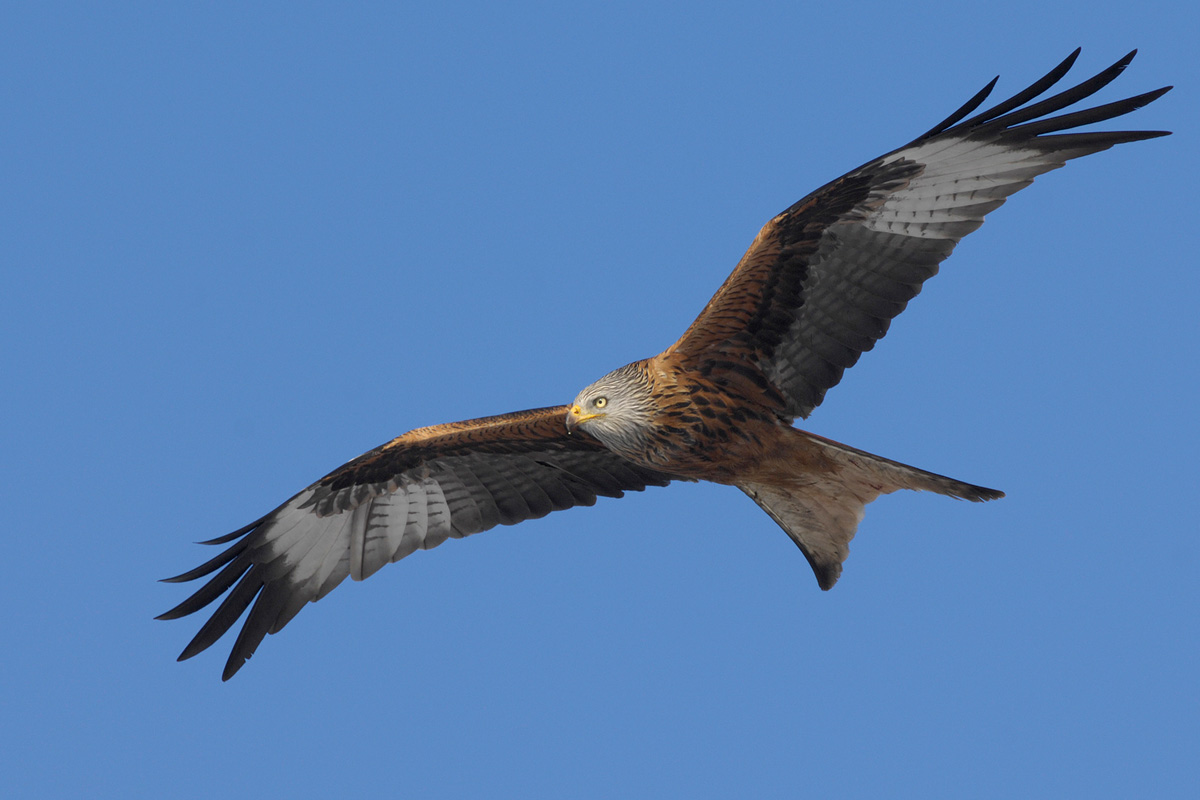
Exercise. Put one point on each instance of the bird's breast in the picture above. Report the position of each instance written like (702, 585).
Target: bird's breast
(706, 441)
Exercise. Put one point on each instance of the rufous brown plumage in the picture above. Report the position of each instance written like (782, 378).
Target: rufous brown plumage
(818, 287)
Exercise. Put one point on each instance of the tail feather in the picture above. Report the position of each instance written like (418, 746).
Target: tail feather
(902, 476)
(821, 511)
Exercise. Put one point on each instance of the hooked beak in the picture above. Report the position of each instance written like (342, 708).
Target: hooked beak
(575, 416)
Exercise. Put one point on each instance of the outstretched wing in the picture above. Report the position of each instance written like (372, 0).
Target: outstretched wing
(412, 493)
(823, 280)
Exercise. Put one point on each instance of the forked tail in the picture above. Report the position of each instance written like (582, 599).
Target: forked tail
(821, 511)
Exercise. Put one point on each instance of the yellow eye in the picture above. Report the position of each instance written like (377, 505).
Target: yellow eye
(600, 402)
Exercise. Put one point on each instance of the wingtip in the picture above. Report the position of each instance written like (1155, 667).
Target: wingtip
(229, 537)
(1149, 97)
(1123, 61)
(232, 666)
(983, 494)
(193, 648)
(1064, 66)
(178, 612)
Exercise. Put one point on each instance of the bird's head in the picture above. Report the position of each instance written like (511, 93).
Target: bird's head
(588, 407)
(615, 408)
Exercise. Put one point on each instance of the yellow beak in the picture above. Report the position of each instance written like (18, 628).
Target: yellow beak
(576, 416)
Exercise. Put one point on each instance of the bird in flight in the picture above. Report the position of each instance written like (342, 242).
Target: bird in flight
(818, 287)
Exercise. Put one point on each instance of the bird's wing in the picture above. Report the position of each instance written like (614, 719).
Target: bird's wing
(412, 493)
(823, 280)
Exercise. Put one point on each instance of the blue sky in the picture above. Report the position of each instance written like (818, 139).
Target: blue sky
(242, 244)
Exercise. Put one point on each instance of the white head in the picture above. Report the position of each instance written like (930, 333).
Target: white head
(618, 409)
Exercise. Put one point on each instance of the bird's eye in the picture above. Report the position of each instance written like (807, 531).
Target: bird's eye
(600, 402)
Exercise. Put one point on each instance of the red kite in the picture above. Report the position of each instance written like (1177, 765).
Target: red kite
(818, 287)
